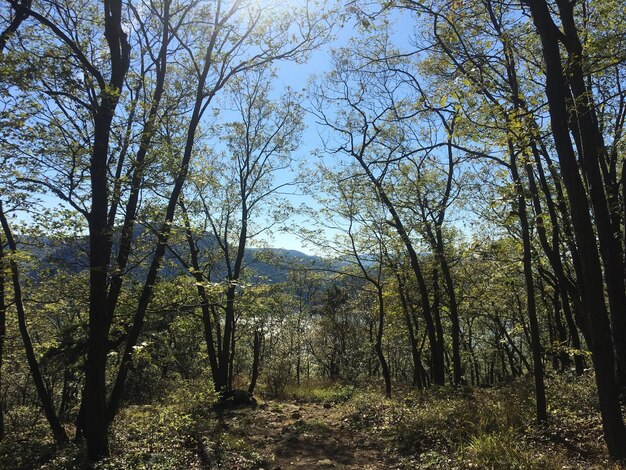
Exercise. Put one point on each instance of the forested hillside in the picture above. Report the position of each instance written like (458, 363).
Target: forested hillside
(250, 234)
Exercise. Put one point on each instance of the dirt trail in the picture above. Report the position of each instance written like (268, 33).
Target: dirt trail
(306, 436)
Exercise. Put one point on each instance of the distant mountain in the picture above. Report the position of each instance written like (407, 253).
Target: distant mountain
(263, 264)
(274, 264)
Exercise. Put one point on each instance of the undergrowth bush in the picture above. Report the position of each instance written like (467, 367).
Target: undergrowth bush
(152, 437)
(368, 409)
(27, 443)
(163, 436)
(420, 425)
(195, 397)
(319, 392)
(25, 454)
(488, 427)
(503, 450)
(276, 378)
(235, 453)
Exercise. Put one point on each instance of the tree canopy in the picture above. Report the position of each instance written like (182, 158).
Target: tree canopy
(455, 171)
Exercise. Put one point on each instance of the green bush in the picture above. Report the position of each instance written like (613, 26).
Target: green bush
(369, 410)
(503, 450)
(504, 408)
(27, 443)
(194, 397)
(235, 453)
(320, 392)
(25, 454)
(152, 437)
(440, 423)
(276, 377)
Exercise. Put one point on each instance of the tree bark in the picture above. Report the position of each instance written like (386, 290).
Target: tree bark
(593, 290)
(379, 342)
(592, 154)
(96, 423)
(21, 14)
(436, 304)
(60, 437)
(3, 329)
(436, 350)
(531, 305)
(415, 354)
(256, 359)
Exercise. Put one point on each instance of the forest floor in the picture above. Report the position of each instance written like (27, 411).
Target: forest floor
(334, 426)
(490, 428)
(304, 435)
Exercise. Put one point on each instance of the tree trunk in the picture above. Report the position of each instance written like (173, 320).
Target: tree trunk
(415, 354)
(379, 343)
(60, 437)
(561, 332)
(96, 422)
(212, 353)
(3, 329)
(436, 350)
(223, 383)
(20, 15)
(255, 361)
(437, 318)
(592, 154)
(155, 265)
(592, 286)
(457, 366)
(540, 393)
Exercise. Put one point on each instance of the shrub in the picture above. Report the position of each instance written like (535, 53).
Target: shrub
(154, 437)
(277, 376)
(504, 450)
(439, 422)
(319, 392)
(194, 397)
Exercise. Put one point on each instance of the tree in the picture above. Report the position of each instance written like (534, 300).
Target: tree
(92, 170)
(474, 62)
(589, 138)
(233, 201)
(369, 128)
(367, 244)
(3, 328)
(47, 404)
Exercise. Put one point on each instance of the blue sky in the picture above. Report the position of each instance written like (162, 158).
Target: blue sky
(297, 76)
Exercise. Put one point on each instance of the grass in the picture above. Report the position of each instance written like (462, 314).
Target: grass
(503, 450)
(491, 428)
(319, 392)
